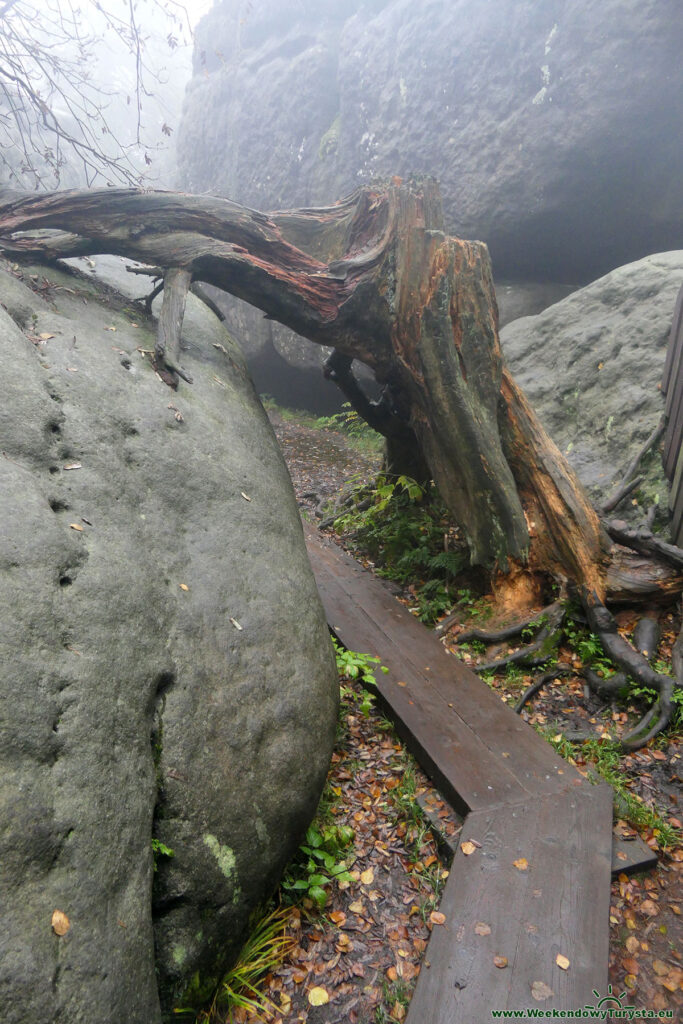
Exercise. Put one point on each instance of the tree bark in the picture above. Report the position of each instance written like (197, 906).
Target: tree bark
(376, 277)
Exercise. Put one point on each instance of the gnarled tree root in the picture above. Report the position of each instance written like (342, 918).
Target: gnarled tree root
(635, 665)
(547, 677)
(537, 652)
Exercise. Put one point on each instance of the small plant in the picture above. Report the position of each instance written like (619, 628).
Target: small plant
(361, 668)
(265, 949)
(159, 849)
(319, 862)
(405, 528)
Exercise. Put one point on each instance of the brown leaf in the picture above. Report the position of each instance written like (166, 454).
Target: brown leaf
(468, 847)
(500, 961)
(368, 877)
(660, 968)
(632, 944)
(541, 991)
(338, 916)
(436, 917)
(60, 922)
(76, 526)
(630, 965)
(481, 928)
(649, 908)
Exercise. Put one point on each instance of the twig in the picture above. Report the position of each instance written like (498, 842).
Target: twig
(547, 677)
(626, 488)
(643, 541)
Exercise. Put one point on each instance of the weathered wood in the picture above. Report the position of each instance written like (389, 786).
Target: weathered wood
(167, 348)
(524, 802)
(440, 705)
(376, 278)
(558, 905)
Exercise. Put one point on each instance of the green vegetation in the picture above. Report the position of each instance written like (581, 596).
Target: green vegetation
(361, 436)
(406, 529)
(160, 850)
(319, 861)
(360, 667)
(265, 949)
(604, 758)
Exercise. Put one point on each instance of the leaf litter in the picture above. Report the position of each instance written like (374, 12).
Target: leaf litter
(387, 926)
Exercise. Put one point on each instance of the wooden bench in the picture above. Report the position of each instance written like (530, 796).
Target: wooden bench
(522, 803)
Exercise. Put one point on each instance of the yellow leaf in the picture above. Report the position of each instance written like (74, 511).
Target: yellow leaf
(110, 328)
(285, 1002)
(436, 917)
(46, 336)
(75, 526)
(500, 961)
(356, 907)
(183, 586)
(318, 996)
(368, 877)
(660, 968)
(60, 922)
(562, 962)
(521, 864)
(467, 847)
(401, 683)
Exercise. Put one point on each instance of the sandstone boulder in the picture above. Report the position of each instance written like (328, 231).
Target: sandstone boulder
(167, 670)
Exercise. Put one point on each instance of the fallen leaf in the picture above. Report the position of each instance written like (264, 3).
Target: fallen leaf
(60, 922)
(467, 847)
(77, 527)
(110, 328)
(500, 961)
(660, 968)
(649, 908)
(481, 928)
(46, 336)
(368, 877)
(338, 916)
(436, 917)
(562, 962)
(541, 991)
(236, 624)
(401, 683)
(632, 944)
(285, 1002)
(356, 907)
(183, 586)
(245, 496)
(73, 465)
(521, 863)
(318, 996)
(630, 965)
(398, 1011)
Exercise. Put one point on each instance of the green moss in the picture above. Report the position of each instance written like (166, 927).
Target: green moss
(330, 140)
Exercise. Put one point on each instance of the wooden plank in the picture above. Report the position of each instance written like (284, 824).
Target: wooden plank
(491, 751)
(675, 346)
(629, 855)
(558, 905)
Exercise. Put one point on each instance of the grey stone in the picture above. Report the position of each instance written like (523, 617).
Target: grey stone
(132, 703)
(592, 365)
(553, 128)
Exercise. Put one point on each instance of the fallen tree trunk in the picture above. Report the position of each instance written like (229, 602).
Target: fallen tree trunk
(375, 277)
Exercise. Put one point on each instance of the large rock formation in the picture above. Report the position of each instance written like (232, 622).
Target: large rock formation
(554, 128)
(167, 670)
(592, 366)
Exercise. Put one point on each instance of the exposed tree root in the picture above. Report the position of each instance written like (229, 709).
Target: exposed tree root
(540, 650)
(492, 636)
(642, 540)
(547, 677)
(636, 666)
(607, 689)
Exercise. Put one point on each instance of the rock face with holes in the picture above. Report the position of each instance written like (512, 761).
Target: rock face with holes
(167, 668)
(592, 366)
